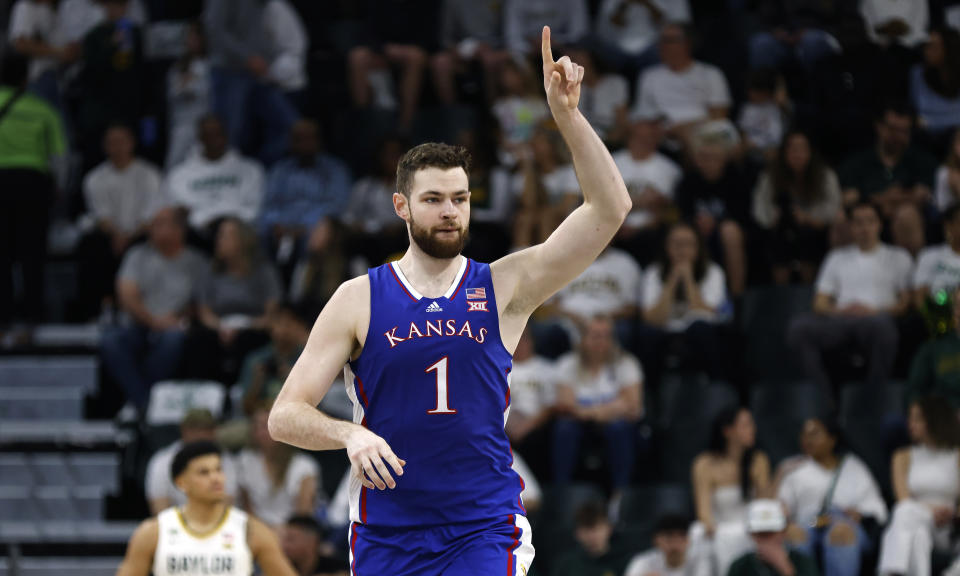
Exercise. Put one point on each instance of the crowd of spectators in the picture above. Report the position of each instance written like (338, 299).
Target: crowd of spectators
(221, 166)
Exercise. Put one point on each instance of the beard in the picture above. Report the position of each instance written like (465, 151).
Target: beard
(430, 242)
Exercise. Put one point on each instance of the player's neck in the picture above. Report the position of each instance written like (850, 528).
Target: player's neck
(429, 275)
(203, 516)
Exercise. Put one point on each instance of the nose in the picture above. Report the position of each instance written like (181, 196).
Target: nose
(449, 210)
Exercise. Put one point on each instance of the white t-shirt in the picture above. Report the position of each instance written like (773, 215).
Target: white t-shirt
(762, 124)
(211, 189)
(273, 505)
(657, 172)
(34, 21)
(290, 41)
(605, 385)
(914, 12)
(560, 183)
(532, 385)
(803, 490)
(654, 562)
(713, 291)
(639, 31)
(126, 199)
(684, 96)
(874, 278)
(938, 268)
(609, 284)
(942, 194)
(600, 103)
(158, 484)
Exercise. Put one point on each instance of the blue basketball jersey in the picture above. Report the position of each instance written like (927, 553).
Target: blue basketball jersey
(433, 381)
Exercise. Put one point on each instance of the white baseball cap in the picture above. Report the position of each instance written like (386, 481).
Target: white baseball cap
(765, 516)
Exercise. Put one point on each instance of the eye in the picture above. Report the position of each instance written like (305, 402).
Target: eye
(460, 200)
(432, 200)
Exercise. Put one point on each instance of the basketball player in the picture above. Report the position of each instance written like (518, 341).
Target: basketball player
(206, 536)
(427, 341)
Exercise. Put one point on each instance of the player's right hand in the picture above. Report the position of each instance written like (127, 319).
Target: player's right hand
(369, 456)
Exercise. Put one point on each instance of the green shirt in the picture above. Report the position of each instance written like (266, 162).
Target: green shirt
(936, 369)
(31, 132)
(578, 563)
(751, 565)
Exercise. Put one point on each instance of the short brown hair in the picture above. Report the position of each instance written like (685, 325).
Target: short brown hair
(429, 155)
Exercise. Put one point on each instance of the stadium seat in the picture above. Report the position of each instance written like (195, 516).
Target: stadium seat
(766, 314)
(79, 566)
(16, 504)
(41, 403)
(34, 371)
(171, 399)
(780, 410)
(50, 469)
(14, 470)
(100, 470)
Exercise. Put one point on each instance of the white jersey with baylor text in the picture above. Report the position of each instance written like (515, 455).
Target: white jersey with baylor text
(183, 552)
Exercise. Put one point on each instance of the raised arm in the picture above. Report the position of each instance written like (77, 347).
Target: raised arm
(295, 419)
(527, 278)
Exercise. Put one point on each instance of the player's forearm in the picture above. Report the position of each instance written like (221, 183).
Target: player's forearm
(600, 180)
(303, 426)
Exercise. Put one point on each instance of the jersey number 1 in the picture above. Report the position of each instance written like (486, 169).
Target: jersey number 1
(443, 398)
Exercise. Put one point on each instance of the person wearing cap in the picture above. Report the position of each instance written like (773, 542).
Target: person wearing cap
(670, 557)
(303, 543)
(161, 492)
(767, 525)
(206, 535)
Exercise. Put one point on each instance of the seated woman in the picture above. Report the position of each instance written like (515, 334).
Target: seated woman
(725, 478)
(233, 304)
(947, 191)
(599, 387)
(276, 480)
(683, 295)
(935, 85)
(926, 483)
(795, 203)
(829, 496)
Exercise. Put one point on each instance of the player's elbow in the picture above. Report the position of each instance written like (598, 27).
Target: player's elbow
(274, 422)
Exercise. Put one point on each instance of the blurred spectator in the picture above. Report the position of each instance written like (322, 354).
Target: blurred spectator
(32, 34)
(372, 224)
(945, 13)
(651, 179)
(896, 21)
(197, 424)
(75, 18)
(603, 98)
(399, 34)
(892, 172)
(31, 136)
(114, 82)
(715, 196)
(122, 194)
(233, 304)
(156, 286)
(683, 294)
(935, 84)
(935, 369)
(533, 391)
(594, 555)
(683, 91)
(764, 117)
(519, 108)
(938, 267)
(243, 89)
(492, 199)
(796, 201)
(907, 229)
(725, 478)
(793, 30)
(626, 32)
(767, 523)
(322, 268)
(670, 556)
(303, 544)
(860, 291)
(302, 190)
(276, 480)
(287, 67)
(926, 483)
(470, 32)
(948, 176)
(600, 392)
(832, 501)
(188, 96)
(550, 188)
(216, 183)
(524, 20)
(265, 369)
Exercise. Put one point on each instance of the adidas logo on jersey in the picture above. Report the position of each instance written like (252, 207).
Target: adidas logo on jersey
(434, 307)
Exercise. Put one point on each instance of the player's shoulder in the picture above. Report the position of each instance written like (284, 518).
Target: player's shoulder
(353, 291)
(146, 535)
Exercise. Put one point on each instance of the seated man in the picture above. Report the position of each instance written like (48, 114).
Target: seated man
(671, 556)
(532, 394)
(594, 555)
(197, 424)
(767, 525)
(156, 286)
(860, 292)
(303, 544)
(938, 267)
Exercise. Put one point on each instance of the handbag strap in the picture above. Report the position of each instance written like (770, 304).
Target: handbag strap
(828, 497)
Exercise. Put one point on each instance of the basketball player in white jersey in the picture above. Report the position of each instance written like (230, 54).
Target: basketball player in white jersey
(207, 536)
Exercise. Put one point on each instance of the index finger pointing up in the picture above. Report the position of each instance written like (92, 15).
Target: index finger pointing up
(545, 47)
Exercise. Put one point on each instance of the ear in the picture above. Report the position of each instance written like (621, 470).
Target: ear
(401, 205)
